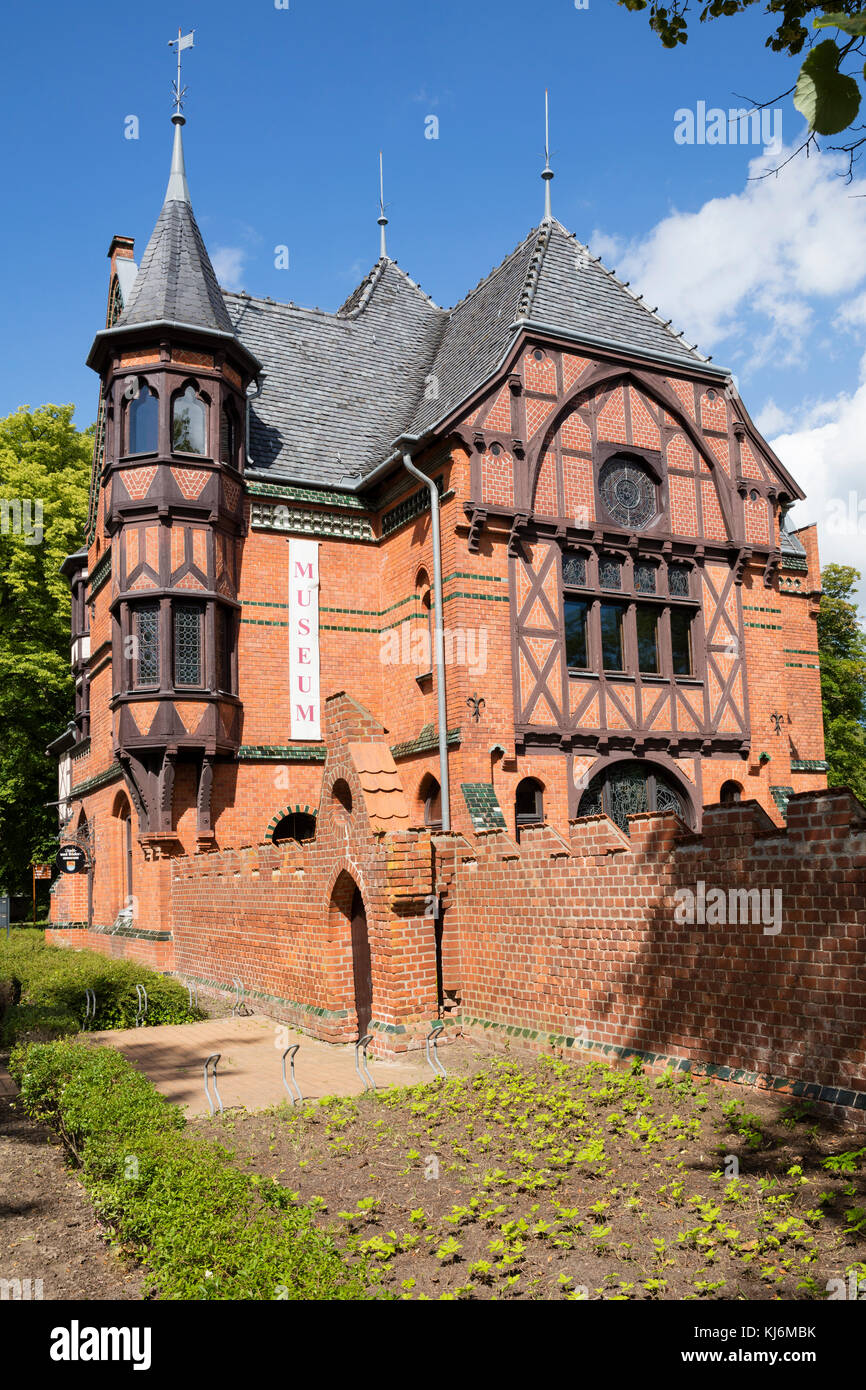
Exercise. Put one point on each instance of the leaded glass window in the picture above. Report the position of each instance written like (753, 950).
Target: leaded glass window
(629, 788)
(576, 643)
(187, 644)
(678, 580)
(223, 621)
(669, 800)
(146, 633)
(610, 573)
(647, 623)
(142, 415)
(644, 578)
(188, 420)
(628, 493)
(228, 433)
(681, 641)
(574, 569)
(612, 650)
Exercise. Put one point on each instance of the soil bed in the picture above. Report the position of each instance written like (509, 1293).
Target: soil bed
(532, 1178)
(48, 1229)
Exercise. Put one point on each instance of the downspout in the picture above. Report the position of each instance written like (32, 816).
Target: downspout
(438, 639)
(249, 400)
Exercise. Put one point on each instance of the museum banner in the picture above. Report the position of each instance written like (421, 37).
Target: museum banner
(304, 687)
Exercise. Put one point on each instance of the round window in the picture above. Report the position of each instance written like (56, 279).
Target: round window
(628, 492)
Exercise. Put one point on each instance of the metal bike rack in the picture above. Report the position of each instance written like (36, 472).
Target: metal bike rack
(192, 991)
(290, 1053)
(432, 1055)
(213, 1058)
(89, 1007)
(361, 1062)
(141, 1005)
(239, 996)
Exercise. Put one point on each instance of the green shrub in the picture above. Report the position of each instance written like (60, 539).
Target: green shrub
(203, 1229)
(53, 982)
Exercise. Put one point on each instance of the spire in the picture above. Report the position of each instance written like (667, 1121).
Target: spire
(382, 219)
(176, 281)
(547, 172)
(178, 188)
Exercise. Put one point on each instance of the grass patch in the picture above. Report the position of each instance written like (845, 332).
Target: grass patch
(43, 989)
(546, 1179)
(202, 1228)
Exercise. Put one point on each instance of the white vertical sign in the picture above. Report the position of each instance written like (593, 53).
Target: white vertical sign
(304, 686)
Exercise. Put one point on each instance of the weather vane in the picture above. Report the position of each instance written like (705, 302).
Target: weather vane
(181, 42)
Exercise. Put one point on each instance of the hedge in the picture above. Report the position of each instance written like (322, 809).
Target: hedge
(48, 984)
(202, 1228)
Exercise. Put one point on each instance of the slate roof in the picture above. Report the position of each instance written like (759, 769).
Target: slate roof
(337, 388)
(341, 388)
(176, 281)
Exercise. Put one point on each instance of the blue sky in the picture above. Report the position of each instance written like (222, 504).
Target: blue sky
(287, 109)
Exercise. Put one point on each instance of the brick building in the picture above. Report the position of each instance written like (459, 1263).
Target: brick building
(628, 624)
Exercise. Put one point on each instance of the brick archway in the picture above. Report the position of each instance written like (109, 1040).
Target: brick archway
(348, 931)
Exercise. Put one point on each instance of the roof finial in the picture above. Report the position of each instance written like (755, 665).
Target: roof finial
(178, 188)
(547, 172)
(382, 219)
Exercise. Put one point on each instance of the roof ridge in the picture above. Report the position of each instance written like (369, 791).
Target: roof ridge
(533, 271)
(491, 273)
(363, 289)
(638, 298)
(246, 297)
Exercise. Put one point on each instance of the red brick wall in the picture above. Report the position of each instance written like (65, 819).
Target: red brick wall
(578, 937)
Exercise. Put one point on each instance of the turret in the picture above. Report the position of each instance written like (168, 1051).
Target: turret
(174, 380)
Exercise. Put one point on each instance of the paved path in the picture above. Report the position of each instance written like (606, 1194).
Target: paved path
(250, 1071)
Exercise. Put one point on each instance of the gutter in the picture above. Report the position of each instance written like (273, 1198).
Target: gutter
(439, 640)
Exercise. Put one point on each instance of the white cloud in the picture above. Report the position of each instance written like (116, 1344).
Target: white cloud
(825, 454)
(748, 271)
(228, 263)
(771, 419)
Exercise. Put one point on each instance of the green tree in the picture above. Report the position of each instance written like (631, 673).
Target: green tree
(44, 473)
(827, 91)
(842, 649)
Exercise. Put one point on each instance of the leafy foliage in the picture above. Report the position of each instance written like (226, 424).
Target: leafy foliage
(43, 459)
(51, 984)
(204, 1229)
(842, 650)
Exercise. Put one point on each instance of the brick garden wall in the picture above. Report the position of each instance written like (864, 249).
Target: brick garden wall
(578, 938)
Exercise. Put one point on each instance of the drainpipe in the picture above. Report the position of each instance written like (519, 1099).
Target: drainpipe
(438, 639)
(259, 382)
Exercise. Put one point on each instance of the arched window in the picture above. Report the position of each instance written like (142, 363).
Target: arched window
(341, 794)
(189, 423)
(430, 794)
(731, 791)
(424, 597)
(528, 803)
(628, 788)
(228, 434)
(142, 421)
(297, 825)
